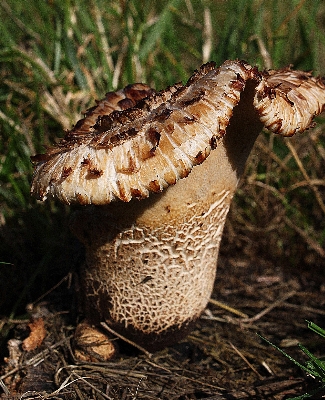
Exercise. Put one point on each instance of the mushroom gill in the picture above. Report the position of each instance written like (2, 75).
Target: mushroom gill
(150, 264)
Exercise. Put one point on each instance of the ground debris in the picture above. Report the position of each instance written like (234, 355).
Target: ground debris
(221, 359)
(36, 336)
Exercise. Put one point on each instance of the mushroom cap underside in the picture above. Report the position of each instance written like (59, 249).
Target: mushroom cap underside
(137, 141)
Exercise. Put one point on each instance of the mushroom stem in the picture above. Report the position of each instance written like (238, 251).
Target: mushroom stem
(150, 264)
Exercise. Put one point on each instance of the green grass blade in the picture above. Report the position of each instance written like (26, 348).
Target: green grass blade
(159, 28)
(287, 355)
(315, 328)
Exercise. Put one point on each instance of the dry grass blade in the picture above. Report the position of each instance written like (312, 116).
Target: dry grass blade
(228, 308)
(241, 355)
(62, 107)
(270, 307)
(271, 154)
(173, 372)
(142, 349)
(119, 63)
(10, 122)
(263, 50)
(4, 387)
(31, 58)
(103, 36)
(85, 380)
(313, 182)
(306, 176)
(291, 15)
(312, 243)
(207, 36)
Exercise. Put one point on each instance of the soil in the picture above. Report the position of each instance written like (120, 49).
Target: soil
(223, 358)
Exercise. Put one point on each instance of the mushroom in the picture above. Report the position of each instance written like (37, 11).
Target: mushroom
(150, 264)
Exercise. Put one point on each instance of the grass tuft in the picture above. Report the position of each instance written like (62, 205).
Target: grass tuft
(314, 367)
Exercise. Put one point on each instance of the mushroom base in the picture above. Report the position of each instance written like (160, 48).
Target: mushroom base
(149, 284)
(152, 341)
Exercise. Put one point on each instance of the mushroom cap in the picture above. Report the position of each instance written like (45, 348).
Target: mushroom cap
(138, 141)
(287, 100)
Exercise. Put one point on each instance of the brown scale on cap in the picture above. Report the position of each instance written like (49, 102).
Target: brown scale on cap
(150, 264)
